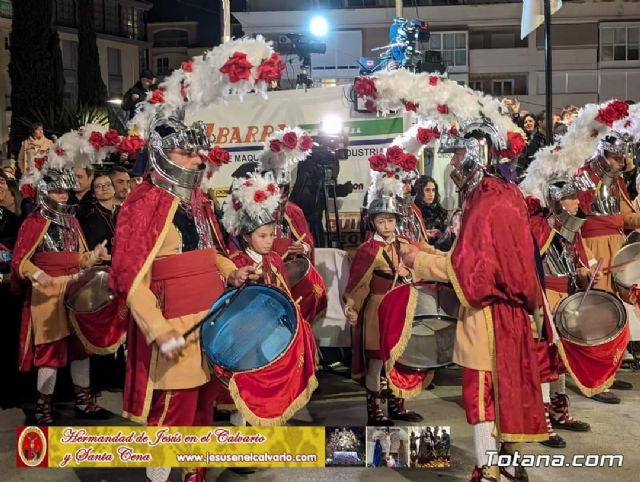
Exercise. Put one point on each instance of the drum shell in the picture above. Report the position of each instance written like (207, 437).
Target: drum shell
(433, 328)
(601, 318)
(297, 270)
(242, 337)
(625, 276)
(89, 292)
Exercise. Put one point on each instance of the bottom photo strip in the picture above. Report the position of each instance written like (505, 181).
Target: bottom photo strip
(413, 447)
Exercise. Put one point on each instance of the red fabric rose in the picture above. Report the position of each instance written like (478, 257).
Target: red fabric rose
(453, 131)
(365, 87)
(59, 151)
(306, 142)
(157, 97)
(516, 145)
(28, 190)
(370, 105)
(275, 145)
(259, 196)
(378, 162)
(237, 67)
(237, 205)
(187, 66)
(131, 145)
(271, 69)
(426, 135)
(595, 133)
(272, 188)
(557, 149)
(615, 110)
(433, 80)
(443, 108)
(247, 183)
(394, 154)
(96, 139)
(209, 174)
(290, 140)
(410, 106)
(218, 156)
(39, 161)
(409, 162)
(111, 138)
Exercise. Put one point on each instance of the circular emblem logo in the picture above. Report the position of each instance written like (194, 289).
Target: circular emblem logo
(32, 446)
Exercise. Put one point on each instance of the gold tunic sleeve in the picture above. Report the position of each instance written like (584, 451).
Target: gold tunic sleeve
(146, 311)
(225, 265)
(431, 267)
(631, 217)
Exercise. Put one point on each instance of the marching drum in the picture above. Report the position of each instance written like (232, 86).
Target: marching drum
(626, 270)
(600, 319)
(254, 329)
(307, 284)
(434, 326)
(97, 315)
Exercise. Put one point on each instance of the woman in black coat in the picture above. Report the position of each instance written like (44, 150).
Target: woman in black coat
(428, 201)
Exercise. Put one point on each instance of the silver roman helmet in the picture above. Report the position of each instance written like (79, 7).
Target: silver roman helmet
(385, 205)
(473, 137)
(57, 180)
(171, 133)
(560, 219)
(250, 222)
(618, 144)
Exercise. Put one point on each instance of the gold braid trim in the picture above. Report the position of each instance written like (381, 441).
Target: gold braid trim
(586, 391)
(299, 402)
(454, 279)
(90, 347)
(547, 243)
(399, 348)
(146, 406)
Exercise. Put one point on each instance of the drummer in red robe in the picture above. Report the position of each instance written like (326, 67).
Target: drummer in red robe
(49, 251)
(375, 270)
(492, 268)
(165, 263)
(609, 212)
(568, 266)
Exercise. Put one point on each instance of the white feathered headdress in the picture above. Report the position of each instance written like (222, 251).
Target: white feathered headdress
(252, 203)
(284, 149)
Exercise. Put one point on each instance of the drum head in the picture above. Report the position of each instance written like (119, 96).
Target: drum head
(601, 317)
(90, 292)
(634, 237)
(254, 329)
(629, 274)
(436, 299)
(431, 343)
(297, 269)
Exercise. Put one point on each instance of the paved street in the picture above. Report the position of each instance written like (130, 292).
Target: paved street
(340, 401)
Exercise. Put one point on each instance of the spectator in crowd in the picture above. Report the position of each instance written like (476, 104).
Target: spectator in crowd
(138, 92)
(36, 144)
(446, 442)
(445, 242)
(428, 200)
(83, 193)
(569, 113)
(98, 216)
(10, 196)
(121, 183)
(10, 170)
(535, 140)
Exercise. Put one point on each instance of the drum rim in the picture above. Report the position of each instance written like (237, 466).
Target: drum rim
(307, 270)
(294, 334)
(613, 271)
(562, 331)
(112, 295)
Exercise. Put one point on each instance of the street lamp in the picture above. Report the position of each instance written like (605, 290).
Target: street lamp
(319, 26)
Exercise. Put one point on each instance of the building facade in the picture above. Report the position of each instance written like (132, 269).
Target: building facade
(595, 43)
(121, 39)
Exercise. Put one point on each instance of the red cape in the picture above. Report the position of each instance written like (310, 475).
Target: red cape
(299, 226)
(492, 267)
(270, 262)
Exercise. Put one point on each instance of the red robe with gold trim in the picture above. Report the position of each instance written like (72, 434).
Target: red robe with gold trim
(492, 268)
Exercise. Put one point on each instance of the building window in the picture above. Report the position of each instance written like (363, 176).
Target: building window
(619, 43)
(115, 72)
(162, 65)
(452, 45)
(502, 87)
(131, 23)
(69, 50)
(66, 13)
(171, 38)
(475, 85)
(111, 17)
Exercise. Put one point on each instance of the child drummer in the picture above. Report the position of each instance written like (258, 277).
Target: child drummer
(375, 270)
(250, 217)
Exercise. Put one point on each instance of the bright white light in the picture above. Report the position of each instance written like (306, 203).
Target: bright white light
(332, 124)
(319, 26)
(115, 101)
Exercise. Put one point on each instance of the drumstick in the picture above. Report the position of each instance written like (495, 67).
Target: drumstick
(616, 266)
(589, 286)
(286, 253)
